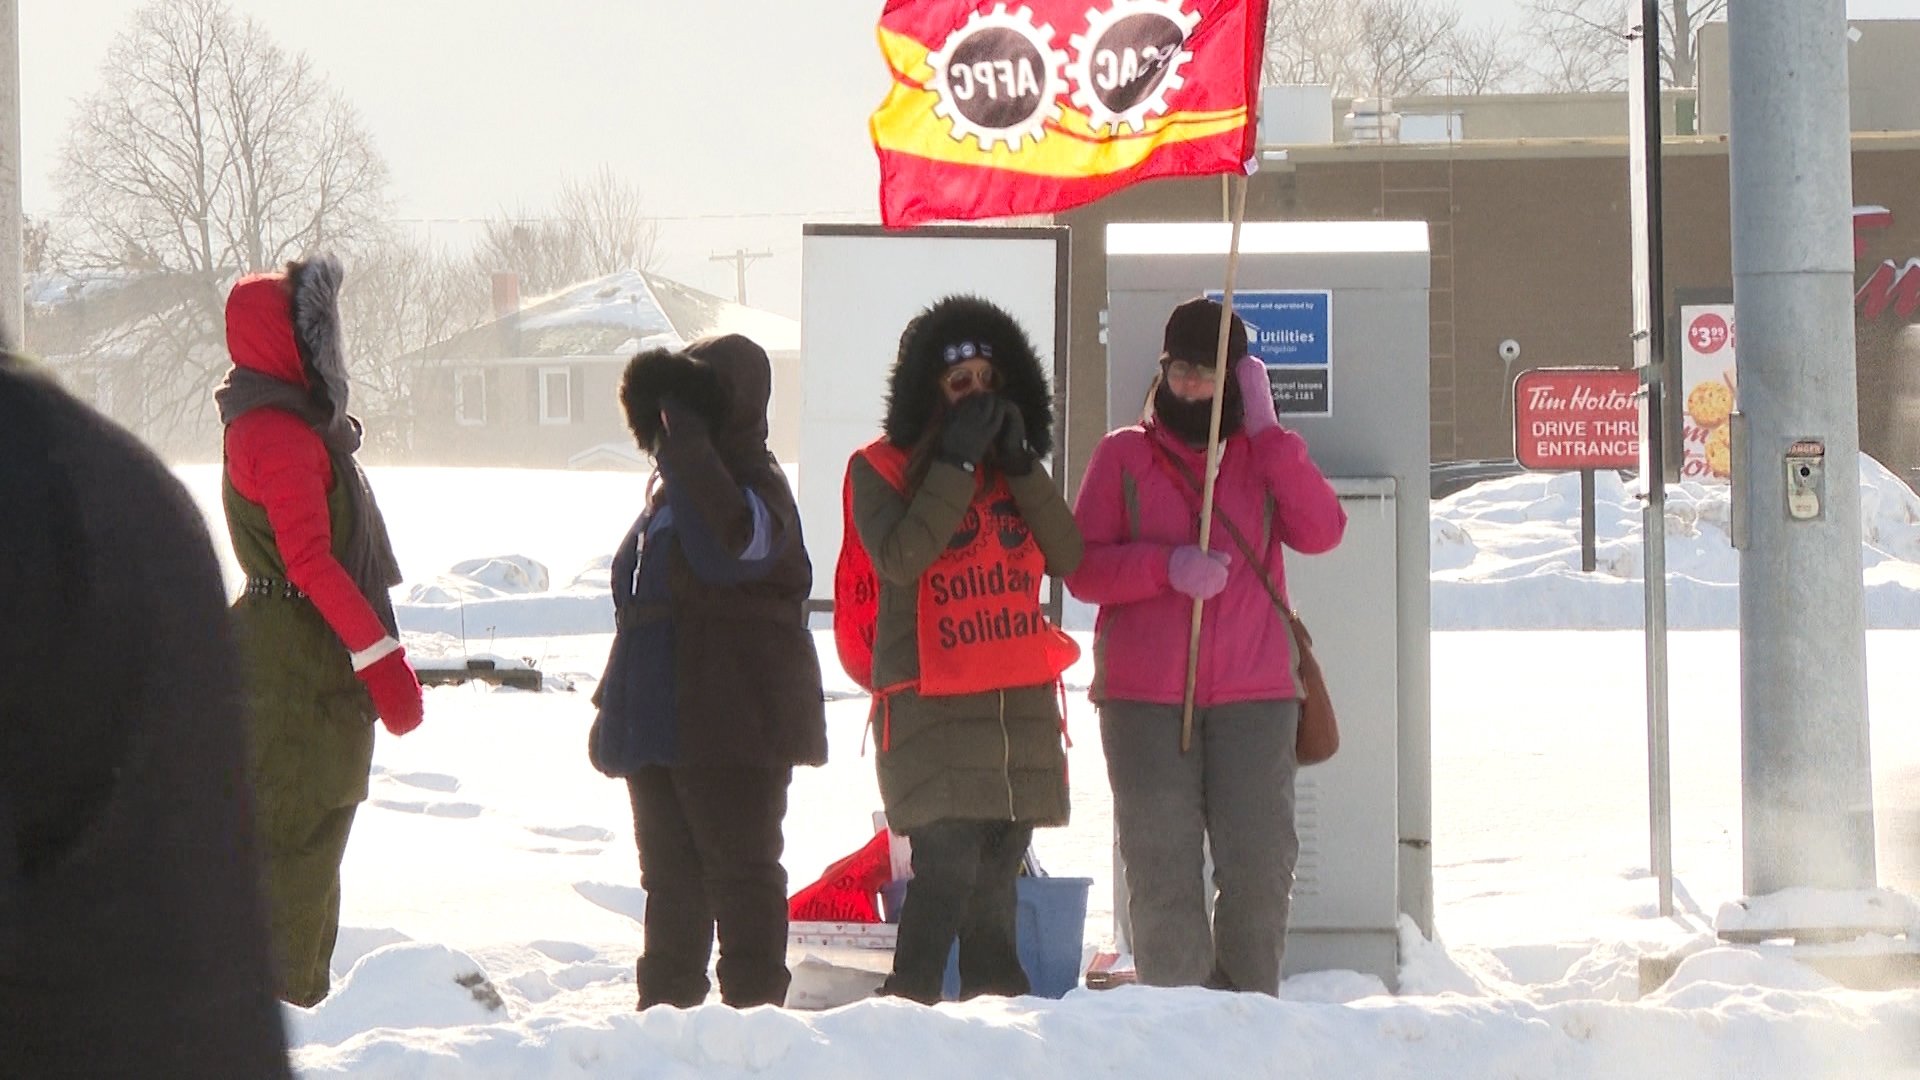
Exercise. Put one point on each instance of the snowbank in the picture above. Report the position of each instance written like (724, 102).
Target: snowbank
(400, 986)
(1725, 1014)
(507, 596)
(1506, 555)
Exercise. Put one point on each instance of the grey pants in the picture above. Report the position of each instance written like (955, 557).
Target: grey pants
(1234, 791)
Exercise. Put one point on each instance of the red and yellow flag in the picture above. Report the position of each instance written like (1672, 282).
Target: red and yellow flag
(1004, 108)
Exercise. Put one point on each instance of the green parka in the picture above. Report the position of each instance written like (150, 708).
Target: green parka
(997, 755)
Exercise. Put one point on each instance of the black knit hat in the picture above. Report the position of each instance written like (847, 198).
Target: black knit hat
(953, 330)
(1193, 334)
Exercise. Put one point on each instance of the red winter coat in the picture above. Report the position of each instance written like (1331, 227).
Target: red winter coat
(1134, 510)
(276, 461)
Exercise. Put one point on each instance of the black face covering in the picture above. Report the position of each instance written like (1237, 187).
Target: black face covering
(1189, 420)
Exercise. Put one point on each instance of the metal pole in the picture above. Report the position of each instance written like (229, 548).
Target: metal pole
(12, 304)
(1649, 317)
(1806, 786)
(1588, 556)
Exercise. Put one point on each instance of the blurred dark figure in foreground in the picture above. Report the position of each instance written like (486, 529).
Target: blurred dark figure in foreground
(133, 930)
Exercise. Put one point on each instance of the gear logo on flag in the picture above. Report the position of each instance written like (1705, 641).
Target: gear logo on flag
(998, 78)
(1129, 60)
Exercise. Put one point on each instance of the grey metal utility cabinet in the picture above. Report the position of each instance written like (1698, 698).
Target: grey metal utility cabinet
(1339, 312)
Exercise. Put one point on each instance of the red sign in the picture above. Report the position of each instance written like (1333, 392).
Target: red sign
(1708, 334)
(1892, 286)
(1566, 419)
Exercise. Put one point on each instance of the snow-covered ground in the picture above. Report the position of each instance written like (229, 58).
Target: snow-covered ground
(490, 847)
(1506, 555)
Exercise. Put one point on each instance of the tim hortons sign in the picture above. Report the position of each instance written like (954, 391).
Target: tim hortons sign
(1569, 419)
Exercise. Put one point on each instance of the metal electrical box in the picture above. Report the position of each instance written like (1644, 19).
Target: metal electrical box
(1338, 310)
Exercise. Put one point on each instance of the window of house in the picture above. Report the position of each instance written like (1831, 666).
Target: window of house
(470, 397)
(556, 396)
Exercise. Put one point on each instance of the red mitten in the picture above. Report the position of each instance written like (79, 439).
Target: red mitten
(395, 689)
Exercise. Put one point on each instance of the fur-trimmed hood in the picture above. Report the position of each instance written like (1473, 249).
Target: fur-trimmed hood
(657, 374)
(914, 398)
(315, 285)
(726, 379)
(287, 326)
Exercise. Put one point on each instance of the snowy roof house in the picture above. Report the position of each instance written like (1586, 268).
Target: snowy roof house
(537, 386)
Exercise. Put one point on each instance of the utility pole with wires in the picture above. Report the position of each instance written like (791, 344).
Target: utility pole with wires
(741, 259)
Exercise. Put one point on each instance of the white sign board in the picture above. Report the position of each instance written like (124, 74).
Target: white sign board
(859, 286)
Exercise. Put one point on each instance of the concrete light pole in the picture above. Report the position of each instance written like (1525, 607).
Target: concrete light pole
(12, 307)
(1807, 792)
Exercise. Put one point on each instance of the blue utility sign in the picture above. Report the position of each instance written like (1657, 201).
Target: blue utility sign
(1292, 333)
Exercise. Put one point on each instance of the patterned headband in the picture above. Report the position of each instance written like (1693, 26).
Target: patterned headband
(967, 350)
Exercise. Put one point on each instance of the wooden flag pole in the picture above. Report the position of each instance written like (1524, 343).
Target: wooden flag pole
(1221, 375)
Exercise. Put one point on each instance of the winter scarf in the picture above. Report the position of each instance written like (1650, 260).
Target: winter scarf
(1189, 421)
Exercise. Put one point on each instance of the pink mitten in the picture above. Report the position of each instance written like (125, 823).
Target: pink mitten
(1256, 396)
(1199, 574)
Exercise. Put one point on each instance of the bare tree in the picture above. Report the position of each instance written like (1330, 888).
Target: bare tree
(607, 217)
(102, 330)
(1385, 48)
(1404, 46)
(1582, 43)
(597, 226)
(208, 151)
(402, 296)
(209, 148)
(528, 244)
(1570, 57)
(1311, 42)
(1479, 61)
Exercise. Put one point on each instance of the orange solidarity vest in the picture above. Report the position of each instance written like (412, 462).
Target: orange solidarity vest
(980, 623)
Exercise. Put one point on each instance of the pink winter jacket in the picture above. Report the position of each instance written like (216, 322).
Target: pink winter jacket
(1134, 510)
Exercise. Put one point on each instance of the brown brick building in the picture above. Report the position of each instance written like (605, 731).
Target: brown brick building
(1530, 242)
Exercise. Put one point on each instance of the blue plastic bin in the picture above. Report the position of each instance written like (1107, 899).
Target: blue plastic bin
(1050, 923)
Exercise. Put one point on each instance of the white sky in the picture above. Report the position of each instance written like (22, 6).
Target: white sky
(740, 119)
(484, 104)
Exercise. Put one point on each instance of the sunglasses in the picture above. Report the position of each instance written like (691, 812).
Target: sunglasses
(962, 380)
(1187, 371)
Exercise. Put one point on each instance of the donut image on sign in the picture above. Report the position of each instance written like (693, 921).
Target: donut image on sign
(1710, 403)
(1720, 452)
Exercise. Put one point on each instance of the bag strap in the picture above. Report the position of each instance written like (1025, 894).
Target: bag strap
(1180, 469)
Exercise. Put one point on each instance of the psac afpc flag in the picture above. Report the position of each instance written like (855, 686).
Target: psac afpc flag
(1000, 109)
